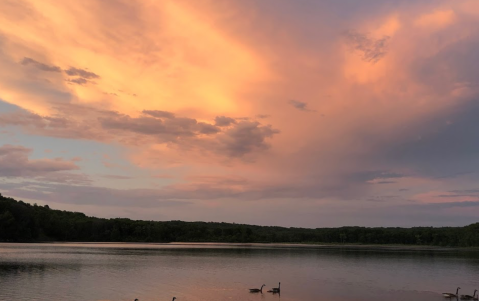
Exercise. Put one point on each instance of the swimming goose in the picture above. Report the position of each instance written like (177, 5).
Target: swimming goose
(173, 299)
(275, 289)
(469, 297)
(256, 290)
(451, 295)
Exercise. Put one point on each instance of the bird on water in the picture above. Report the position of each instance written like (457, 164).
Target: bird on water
(451, 295)
(469, 297)
(275, 289)
(256, 290)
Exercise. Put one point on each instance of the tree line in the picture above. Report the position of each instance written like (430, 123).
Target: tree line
(24, 222)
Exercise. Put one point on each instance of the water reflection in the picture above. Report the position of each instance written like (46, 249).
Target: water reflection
(227, 272)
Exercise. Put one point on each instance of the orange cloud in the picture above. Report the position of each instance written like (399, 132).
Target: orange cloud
(161, 56)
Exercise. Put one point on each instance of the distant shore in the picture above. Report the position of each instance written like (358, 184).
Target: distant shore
(23, 222)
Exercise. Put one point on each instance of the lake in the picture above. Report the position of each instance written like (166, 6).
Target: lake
(86, 272)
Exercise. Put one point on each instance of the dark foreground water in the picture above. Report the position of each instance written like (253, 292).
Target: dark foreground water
(225, 272)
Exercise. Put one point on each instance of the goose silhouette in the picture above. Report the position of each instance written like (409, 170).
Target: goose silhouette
(451, 295)
(256, 290)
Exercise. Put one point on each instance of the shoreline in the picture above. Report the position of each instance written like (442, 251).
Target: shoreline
(319, 246)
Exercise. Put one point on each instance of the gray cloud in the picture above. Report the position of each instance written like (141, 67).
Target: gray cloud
(41, 66)
(72, 71)
(14, 162)
(159, 114)
(224, 121)
(365, 176)
(79, 122)
(243, 138)
(77, 76)
(300, 105)
(83, 75)
(372, 50)
(208, 129)
(79, 81)
(246, 137)
(164, 130)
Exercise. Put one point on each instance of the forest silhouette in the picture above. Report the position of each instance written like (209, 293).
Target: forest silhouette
(24, 222)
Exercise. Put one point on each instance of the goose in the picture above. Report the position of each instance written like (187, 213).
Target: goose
(256, 290)
(469, 297)
(275, 289)
(173, 299)
(451, 295)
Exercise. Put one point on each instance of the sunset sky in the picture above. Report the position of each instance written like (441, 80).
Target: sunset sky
(307, 113)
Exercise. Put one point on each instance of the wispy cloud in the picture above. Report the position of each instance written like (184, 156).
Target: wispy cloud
(72, 71)
(41, 66)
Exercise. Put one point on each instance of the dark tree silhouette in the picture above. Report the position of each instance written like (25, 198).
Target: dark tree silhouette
(23, 222)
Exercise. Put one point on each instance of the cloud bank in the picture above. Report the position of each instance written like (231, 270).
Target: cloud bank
(191, 100)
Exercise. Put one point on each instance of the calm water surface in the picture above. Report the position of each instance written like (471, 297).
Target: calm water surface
(87, 272)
